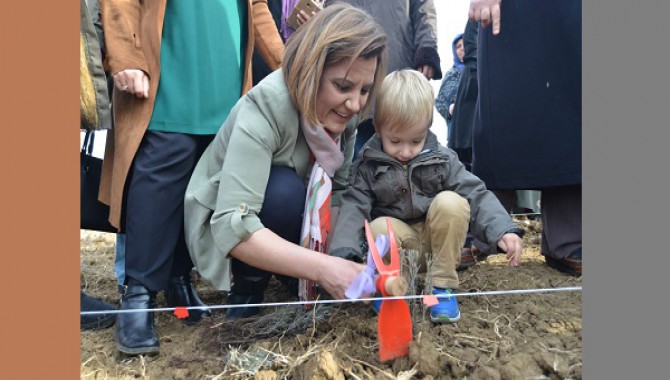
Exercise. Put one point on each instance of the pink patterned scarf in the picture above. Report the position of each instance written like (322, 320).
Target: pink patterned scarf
(316, 220)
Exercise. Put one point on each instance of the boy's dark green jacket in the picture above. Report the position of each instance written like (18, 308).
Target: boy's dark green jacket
(380, 185)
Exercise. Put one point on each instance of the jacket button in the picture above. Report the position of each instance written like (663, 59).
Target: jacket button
(404, 190)
(243, 208)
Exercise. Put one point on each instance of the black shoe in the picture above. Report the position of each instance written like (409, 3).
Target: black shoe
(95, 321)
(180, 292)
(571, 265)
(243, 299)
(135, 332)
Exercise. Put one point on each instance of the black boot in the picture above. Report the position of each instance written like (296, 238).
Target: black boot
(135, 332)
(95, 321)
(180, 292)
(249, 285)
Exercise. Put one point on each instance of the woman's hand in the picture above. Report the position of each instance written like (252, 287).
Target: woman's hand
(303, 17)
(512, 244)
(337, 275)
(487, 12)
(134, 82)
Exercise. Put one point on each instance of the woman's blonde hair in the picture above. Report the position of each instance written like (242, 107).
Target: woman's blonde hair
(338, 32)
(87, 101)
(405, 98)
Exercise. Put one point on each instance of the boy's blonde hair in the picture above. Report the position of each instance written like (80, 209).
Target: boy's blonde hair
(338, 32)
(405, 98)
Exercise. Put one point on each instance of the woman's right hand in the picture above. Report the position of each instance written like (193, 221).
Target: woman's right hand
(338, 274)
(132, 81)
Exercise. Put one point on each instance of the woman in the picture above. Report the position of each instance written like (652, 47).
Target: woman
(446, 98)
(244, 204)
(178, 67)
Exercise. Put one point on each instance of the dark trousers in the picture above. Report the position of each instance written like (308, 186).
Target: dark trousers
(282, 213)
(561, 221)
(154, 207)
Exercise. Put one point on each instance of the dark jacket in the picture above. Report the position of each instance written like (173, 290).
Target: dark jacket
(462, 120)
(527, 131)
(411, 27)
(381, 186)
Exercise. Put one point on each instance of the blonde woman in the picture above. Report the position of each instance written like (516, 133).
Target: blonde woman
(245, 202)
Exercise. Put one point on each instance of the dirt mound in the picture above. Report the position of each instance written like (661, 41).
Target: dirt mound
(498, 337)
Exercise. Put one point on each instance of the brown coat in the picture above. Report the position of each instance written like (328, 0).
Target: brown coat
(133, 37)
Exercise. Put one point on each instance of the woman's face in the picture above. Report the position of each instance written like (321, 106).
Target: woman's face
(459, 50)
(342, 95)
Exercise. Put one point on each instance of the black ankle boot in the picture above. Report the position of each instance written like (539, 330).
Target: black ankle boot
(249, 284)
(180, 292)
(135, 332)
(95, 321)
(243, 299)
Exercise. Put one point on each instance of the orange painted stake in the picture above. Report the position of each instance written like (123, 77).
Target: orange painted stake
(394, 323)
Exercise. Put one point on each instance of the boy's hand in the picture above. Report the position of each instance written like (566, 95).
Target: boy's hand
(512, 244)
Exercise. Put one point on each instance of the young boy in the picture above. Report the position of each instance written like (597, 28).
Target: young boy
(404, 174)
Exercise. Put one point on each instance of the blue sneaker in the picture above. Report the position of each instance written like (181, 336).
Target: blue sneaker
(447, 310)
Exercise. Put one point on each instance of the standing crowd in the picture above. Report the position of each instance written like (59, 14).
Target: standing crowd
(228, 119)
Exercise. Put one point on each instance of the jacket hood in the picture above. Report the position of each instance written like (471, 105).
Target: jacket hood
(457, 62)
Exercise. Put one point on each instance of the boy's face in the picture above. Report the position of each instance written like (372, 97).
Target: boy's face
(404, 145)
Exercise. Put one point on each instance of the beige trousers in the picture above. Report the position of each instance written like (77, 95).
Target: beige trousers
(442, 234)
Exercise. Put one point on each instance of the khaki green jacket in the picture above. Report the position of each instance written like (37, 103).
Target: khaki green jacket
(227, 188)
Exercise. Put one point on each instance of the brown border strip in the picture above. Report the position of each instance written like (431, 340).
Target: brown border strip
(39, 219)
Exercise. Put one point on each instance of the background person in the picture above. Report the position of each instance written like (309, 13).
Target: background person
(162, 126)
(446, 97)
(527, 131)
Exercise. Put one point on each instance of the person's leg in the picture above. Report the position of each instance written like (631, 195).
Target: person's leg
(154, 218)
(408, 238)
(281, 212)
(445, 228)
(120, 259)
(562, 228)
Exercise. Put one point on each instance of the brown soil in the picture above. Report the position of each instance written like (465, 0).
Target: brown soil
(532, 336)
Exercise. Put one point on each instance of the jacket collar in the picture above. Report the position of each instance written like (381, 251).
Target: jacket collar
(373, 148)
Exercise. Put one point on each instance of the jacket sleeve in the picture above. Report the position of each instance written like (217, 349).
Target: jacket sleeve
(447, 94)
(424, 21)
(355, 208)
(266, 36)
(121, 20)
(489, 220)
(256, 131)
